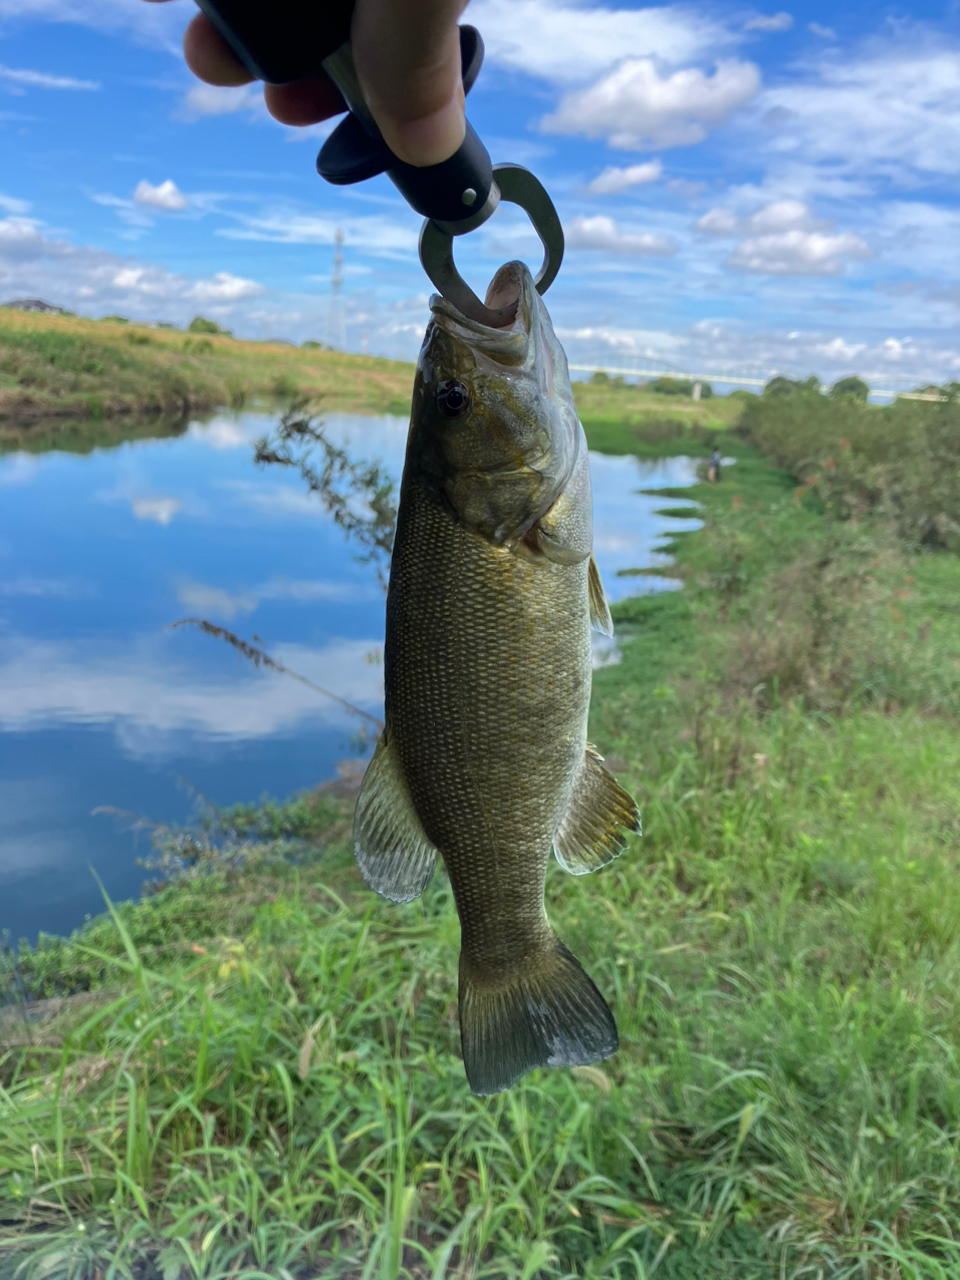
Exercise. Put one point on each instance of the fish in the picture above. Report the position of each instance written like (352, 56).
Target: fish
(484, 760)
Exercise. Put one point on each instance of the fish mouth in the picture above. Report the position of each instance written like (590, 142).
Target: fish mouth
(506, 345)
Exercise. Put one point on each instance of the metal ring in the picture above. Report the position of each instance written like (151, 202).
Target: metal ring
(517, 186)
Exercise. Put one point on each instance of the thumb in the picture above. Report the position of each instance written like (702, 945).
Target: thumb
(407, 55)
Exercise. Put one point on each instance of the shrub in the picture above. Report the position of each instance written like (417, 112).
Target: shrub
(900, 463)
(284, 387)
(199, 324)
(852, 386)
(780, 386)
(198, 346)
(678, 387)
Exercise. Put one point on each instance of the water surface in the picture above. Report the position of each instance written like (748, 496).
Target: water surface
(101, 704)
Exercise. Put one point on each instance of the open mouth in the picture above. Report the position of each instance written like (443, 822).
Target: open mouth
(511, 285)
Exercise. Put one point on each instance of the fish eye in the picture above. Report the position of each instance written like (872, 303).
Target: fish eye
(453, 398)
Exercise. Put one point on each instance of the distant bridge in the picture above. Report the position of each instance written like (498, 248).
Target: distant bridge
(733, 378)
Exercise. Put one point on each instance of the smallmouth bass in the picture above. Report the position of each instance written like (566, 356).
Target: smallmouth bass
(484, 760)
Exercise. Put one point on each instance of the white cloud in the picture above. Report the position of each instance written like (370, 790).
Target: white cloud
(569, 43)
(11, 205)
(613, 180)
(166, 195)
(636, 108)
(157, 25)
(601, 232)
(224, 287)
(21, 240)
(215, 100)
(374, 234)
(716, 347)
(893, 110)
(719, 222)
(825, 33)
(798, 253)
(770, 22)
(837, 349)
(685, 188)
(82, 277)
(43, 80)
(779, 215)
(783, 239)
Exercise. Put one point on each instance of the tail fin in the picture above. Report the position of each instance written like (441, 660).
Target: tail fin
(550, 1015)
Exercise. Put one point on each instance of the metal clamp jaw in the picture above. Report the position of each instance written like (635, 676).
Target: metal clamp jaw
(293, 41)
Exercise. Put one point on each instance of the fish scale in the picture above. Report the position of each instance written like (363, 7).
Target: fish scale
(492, 782)
(484, 761)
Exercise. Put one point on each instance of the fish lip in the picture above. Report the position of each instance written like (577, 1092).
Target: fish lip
(454, 322)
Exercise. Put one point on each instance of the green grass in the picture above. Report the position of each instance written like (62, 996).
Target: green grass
(71, 367)
(621, 418)
(270, 1085)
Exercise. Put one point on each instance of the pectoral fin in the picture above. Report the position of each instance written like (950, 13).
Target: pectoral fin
(599, 609)
(393, 852)
(592, 833)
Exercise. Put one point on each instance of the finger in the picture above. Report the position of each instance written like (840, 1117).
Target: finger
(407, 54)
(209, 56)
(304, 102)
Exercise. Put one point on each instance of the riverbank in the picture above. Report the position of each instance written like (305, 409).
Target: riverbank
(66, 378)
(264, 1073)
(70, 367)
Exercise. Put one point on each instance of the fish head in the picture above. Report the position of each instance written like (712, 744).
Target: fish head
(494, 432)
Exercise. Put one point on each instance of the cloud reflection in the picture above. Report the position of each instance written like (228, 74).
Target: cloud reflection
(159, 509)
(148, 699)
(215, 602)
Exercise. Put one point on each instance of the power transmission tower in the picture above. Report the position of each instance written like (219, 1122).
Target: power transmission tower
(336, 319)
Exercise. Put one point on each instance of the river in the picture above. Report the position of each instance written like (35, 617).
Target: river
(103, 705)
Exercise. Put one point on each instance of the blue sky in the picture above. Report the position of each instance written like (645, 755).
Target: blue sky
(743, 189)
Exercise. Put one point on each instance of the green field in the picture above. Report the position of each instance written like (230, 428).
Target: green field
(261, 1077)
(624, 418)
(70, 367)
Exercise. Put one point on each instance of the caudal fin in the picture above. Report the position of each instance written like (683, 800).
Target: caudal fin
(551, 1015)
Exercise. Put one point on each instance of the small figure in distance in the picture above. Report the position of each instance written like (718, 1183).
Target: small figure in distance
(407, 55)
(713, 468)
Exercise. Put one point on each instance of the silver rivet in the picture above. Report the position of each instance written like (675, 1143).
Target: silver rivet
(469, 196)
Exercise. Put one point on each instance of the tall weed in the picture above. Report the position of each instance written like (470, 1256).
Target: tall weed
(900, 463)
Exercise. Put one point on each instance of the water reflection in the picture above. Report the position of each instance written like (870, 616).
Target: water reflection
(102, 704)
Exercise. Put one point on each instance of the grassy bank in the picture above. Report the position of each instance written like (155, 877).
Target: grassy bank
(262, 1079)
(70, 367)
(624, 418)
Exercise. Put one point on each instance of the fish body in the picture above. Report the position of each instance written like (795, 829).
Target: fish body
(484, 759)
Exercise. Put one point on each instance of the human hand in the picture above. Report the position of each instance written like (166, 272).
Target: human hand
(407, 56)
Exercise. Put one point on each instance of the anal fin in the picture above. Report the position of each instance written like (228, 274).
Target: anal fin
(392, 849)
(592, 832)
(599, 609)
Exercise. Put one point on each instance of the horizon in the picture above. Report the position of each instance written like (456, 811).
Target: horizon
(742, 190)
